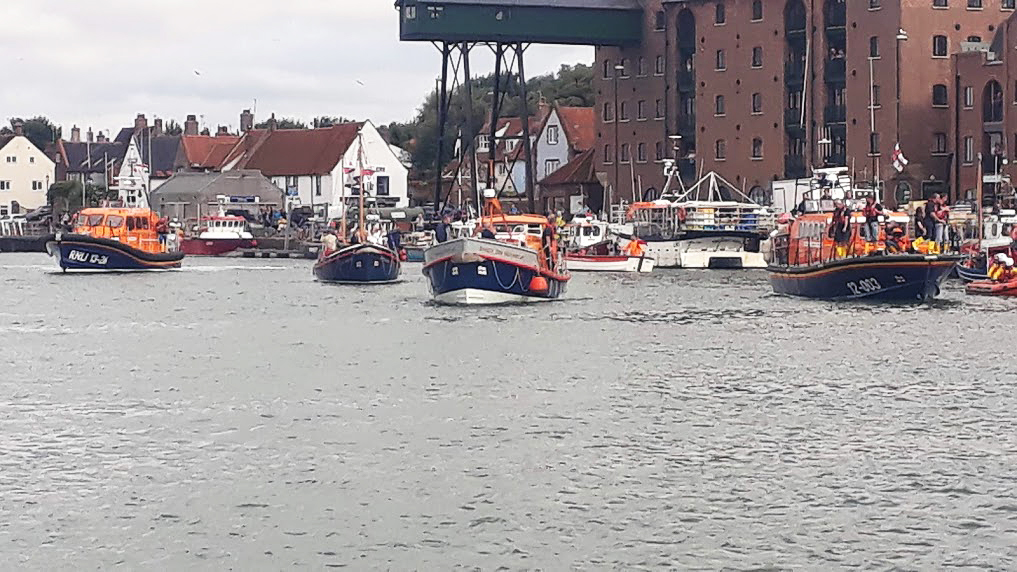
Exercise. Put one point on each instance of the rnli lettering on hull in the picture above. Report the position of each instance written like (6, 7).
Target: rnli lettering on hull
(88, 258)
(484, 248)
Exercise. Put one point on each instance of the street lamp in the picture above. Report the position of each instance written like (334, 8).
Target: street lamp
(618, 69)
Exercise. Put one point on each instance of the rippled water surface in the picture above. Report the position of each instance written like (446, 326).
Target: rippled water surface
(237, 414)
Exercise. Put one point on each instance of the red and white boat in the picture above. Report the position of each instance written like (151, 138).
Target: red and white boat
(601, 258)
(218, 235)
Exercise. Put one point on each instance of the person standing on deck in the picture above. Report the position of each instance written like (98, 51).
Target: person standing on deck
(329, 243)
(547, 240)
(872, 212)
(840, 229)
(441, 231)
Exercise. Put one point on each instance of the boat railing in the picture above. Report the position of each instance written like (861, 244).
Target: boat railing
(730, 218)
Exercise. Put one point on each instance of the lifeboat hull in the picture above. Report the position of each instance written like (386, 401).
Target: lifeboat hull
(359, 264)
(214, 247)
(899, 278)
(78, 252)
(473, 271)
(990, 288)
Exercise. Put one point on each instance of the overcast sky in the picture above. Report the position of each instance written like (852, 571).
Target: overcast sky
(99, 63)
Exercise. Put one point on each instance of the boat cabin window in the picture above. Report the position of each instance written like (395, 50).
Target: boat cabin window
(132, 223)
(114, 221)
(94, 220)
(591, 231)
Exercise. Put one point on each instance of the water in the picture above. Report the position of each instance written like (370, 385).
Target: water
(238, 415)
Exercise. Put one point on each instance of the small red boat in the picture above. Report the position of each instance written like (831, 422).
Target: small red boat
(219, 235)
(990, 288)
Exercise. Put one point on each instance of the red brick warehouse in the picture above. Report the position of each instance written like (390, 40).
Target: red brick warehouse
(761, 90)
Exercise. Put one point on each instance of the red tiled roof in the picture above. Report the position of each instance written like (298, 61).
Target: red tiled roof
(295, 151)
(579, 170)
(578, 123)
(207, 152)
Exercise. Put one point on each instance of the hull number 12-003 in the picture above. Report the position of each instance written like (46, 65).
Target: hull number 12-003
(867, 286)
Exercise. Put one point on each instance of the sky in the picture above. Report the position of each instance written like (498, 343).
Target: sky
(98, 63)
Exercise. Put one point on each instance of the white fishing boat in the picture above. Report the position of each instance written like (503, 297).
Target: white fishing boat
(711, 224)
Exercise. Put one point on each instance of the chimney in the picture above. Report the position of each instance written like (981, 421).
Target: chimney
(75, 134)
(191, 125)
(19, 128)
(158, 127)
(140, 123)
(101, 138)
(246, 121)
(543, 109)
(89, 136)
(272, 123)
(222, 131)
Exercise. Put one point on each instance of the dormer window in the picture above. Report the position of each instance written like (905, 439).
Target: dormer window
(410, 12)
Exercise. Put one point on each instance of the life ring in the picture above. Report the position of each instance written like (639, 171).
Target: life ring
(683, 215)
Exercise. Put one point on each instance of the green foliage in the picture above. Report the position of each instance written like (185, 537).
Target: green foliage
(66, 196)
(570, 86)
(39, 130)
(329, 121)
(284, 123)
(173, 128)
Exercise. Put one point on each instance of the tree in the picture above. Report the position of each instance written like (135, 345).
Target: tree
(284, 123)
(66, 196)
(329, 121)
(39, 130)
(173, 128)
(570, 86)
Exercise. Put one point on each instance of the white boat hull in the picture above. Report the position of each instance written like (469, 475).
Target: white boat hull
(704, 253)
(610, 263)
(478, 297)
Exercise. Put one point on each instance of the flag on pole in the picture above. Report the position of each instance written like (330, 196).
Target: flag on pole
(899, 160)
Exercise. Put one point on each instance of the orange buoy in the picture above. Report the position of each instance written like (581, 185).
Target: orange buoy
(538, 284)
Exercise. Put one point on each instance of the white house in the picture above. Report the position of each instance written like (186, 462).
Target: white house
(25, 175)
(567, 133)
(133, 178)
(313, 165)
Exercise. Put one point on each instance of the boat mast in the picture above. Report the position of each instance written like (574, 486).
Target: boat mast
(981, 201)
(345, 207)
(360, 170)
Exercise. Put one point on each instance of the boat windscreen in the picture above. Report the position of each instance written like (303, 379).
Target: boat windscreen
(114, 221)
(93, 220)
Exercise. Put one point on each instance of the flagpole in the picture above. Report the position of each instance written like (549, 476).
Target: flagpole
(873, 151)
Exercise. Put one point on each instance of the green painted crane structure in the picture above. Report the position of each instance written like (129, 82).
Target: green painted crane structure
(507, 28)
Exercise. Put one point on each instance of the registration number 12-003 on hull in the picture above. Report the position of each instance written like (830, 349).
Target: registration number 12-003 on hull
(87, 258)
(869, 285)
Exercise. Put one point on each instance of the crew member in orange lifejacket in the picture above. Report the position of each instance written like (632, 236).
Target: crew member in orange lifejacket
(997, 269)
(896, 239)
(162, 229)
(1009, 274)
(636, 247)
(871, 213)
(840, 228)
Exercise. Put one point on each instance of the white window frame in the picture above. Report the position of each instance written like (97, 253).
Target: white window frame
(552, 135)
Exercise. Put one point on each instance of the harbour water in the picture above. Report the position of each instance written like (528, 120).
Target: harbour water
(238, 415)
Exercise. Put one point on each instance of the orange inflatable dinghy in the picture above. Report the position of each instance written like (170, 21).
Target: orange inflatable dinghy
(990, 288)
